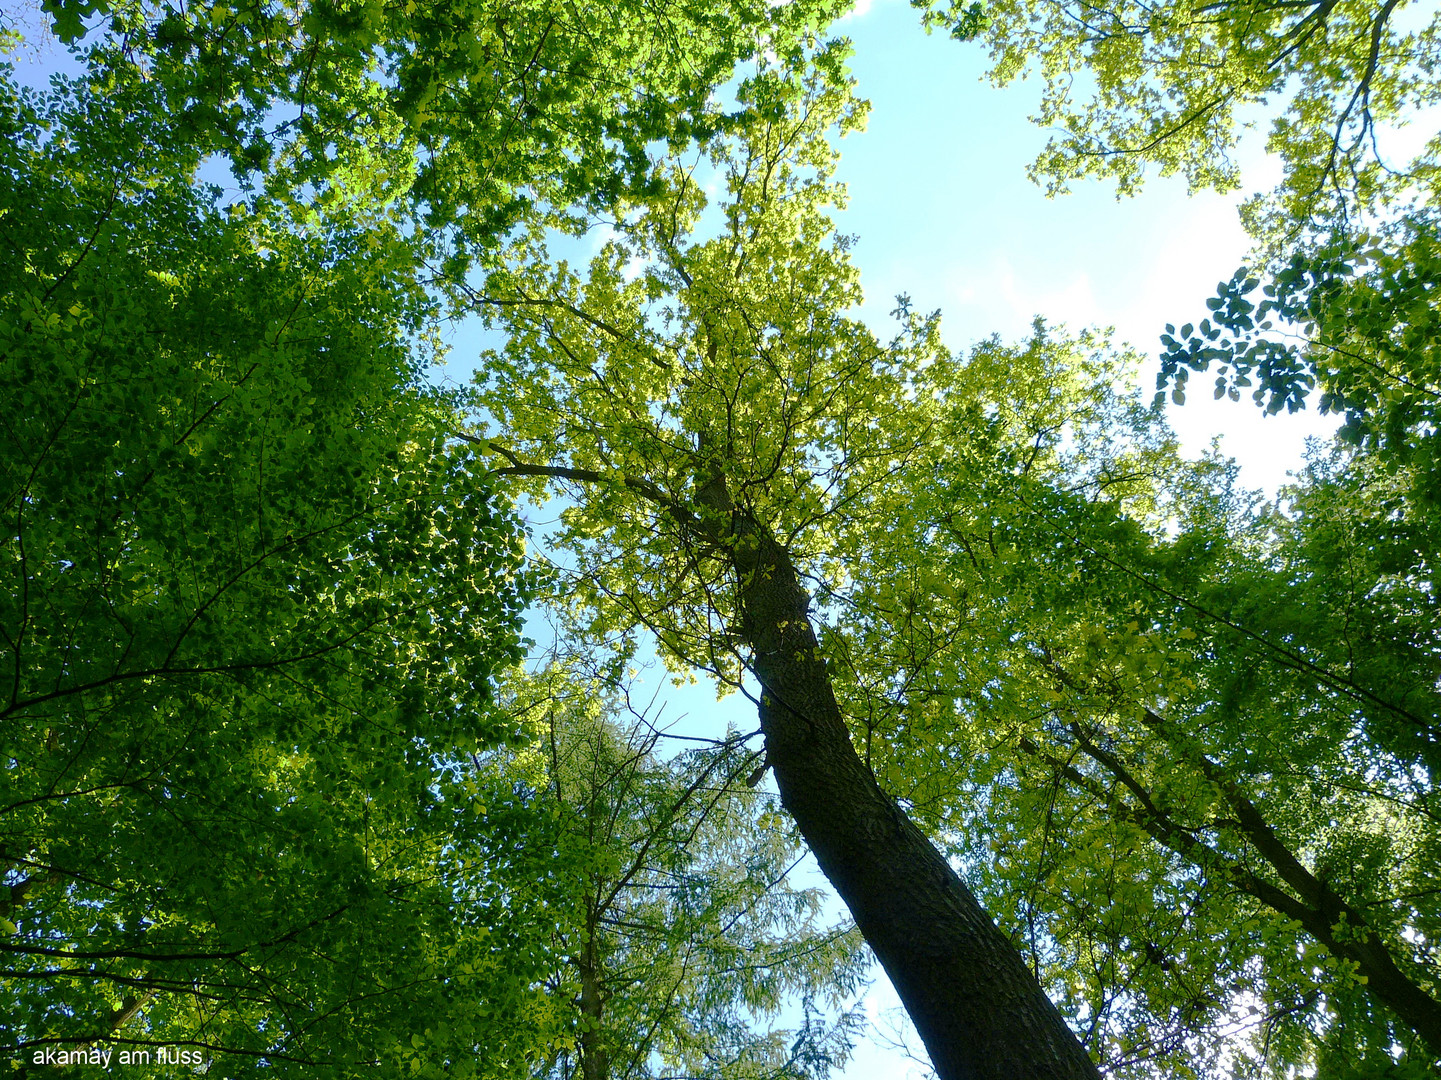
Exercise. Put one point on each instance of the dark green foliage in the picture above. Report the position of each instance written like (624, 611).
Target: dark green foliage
(252, 603)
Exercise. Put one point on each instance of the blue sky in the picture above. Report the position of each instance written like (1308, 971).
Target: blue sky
(944, 211)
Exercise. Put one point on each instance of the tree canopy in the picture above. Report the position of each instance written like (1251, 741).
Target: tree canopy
(1117, 767)
(465, 116)
(1019, 591)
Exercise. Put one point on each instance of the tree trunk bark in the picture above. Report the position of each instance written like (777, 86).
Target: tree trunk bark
(977, 1007)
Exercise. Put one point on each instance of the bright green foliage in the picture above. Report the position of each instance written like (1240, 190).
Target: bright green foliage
(1131, 85)
(677, 360)
(687, 934)
(1200, 734)
(471, 112)
(681, 362)
(1153, 692)
(253, 600)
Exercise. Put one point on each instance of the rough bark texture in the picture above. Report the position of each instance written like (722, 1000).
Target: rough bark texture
(977, 1007)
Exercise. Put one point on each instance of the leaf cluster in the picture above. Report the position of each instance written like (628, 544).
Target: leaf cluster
(468, 117)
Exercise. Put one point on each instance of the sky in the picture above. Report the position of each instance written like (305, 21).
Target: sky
(943, 211)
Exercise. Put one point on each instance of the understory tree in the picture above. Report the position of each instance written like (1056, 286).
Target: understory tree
(687, 937)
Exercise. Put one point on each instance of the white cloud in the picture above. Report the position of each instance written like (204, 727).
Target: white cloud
(861, 8)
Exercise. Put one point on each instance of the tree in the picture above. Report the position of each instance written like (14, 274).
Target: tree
(724, 431)
(1187, 728)
(1005, 612)
(254, 598)
(1315, 626)
(345, 121)
(688, 930)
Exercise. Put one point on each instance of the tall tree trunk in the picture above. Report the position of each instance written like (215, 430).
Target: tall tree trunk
(980, 1012)
(976, 1005)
